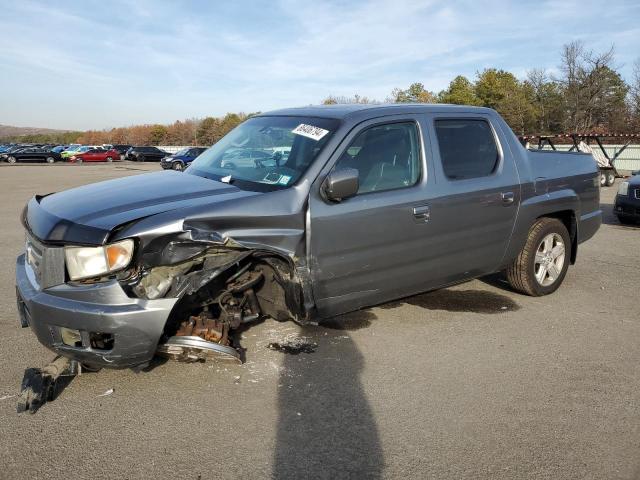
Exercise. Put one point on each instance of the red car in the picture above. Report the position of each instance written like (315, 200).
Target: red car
(96, 155)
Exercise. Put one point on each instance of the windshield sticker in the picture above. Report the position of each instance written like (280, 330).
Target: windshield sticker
(309, 131)
(272, 178)
(284, 179)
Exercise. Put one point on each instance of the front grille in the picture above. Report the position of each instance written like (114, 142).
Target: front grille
(46, 262)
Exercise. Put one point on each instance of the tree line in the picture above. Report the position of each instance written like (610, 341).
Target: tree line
(588, 94)
(204, 131)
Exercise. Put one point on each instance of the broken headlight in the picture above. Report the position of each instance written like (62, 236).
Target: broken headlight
(86, 262)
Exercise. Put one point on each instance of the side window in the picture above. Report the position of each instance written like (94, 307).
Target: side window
(386, 157)
(467, 148)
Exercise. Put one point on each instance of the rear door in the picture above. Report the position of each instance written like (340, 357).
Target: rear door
(90, 155)
(27, 155)
(476, 192)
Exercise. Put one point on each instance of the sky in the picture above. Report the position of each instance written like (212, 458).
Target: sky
(100, 64)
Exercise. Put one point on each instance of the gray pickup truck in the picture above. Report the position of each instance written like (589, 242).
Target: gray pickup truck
(345, 207)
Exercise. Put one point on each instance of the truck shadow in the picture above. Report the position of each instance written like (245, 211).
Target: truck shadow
(326, 427)
(474, 301)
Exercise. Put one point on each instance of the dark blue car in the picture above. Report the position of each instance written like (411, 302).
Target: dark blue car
(181, 159)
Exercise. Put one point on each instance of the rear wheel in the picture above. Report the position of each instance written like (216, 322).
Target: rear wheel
(542, 263)
(603, 179)
(177, 166)
(50, 159)
(610, 178)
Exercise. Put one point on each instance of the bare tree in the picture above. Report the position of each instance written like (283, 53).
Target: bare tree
(333, 100)
(589, 80)
(634, 95)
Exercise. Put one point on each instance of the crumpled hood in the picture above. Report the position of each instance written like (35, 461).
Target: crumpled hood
(86, 215)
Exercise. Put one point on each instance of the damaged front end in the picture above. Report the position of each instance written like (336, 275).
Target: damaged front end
(221, 286)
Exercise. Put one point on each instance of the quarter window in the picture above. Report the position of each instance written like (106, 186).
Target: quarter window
(387, 157)
(467, 148)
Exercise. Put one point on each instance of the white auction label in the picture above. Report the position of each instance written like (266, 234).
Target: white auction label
(309, 131)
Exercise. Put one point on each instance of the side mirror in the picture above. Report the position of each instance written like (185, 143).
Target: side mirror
(341, 184)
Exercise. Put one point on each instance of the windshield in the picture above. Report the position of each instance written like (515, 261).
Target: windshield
(181, 152)
(265, 153)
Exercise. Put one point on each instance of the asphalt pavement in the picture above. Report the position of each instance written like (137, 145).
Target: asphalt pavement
(473, 381)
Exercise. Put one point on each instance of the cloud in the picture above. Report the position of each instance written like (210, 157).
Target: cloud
(150, 61)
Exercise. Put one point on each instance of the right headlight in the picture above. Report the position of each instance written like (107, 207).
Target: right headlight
(87, 262)
(623, 189)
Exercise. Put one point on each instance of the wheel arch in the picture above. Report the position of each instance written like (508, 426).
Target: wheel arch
(561, 204)
(568, 218)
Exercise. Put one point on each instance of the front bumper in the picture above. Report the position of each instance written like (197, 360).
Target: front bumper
(135, 324)
(627, 206)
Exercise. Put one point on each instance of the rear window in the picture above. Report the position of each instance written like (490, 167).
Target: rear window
(467, 148)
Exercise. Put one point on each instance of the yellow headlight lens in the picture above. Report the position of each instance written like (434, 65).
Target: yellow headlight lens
(87, 262)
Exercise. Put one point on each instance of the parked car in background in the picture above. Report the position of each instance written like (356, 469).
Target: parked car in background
(627, 204)
(122, 150)
(181, 159)
(96, 155)
(82, 149)
(32, 154)
(59, 148)
(142, 154)
(13, 148)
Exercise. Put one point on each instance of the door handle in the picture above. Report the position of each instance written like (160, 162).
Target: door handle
(422, 213)
(507, 198)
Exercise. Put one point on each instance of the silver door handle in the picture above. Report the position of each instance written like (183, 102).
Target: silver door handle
(507, 197)
(422, 213)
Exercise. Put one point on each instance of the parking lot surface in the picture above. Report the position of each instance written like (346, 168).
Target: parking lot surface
(473, 381)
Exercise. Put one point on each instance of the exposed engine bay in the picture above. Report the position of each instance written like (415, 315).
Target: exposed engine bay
(221, 291)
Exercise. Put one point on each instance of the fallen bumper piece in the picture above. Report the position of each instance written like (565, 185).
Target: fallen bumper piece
(44, 385)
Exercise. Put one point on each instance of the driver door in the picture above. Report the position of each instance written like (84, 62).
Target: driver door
(371, 247)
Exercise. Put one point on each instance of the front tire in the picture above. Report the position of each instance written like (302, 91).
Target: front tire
(603, 179)
(109, 159)
(11, 159)
(50, 160)
(177, 166)
(140, 158)
(544, 260)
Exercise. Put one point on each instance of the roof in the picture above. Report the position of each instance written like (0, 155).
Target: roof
(343, 111)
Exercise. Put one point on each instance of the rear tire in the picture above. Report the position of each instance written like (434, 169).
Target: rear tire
(603, 179)
(544, 260)
(611, 178)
